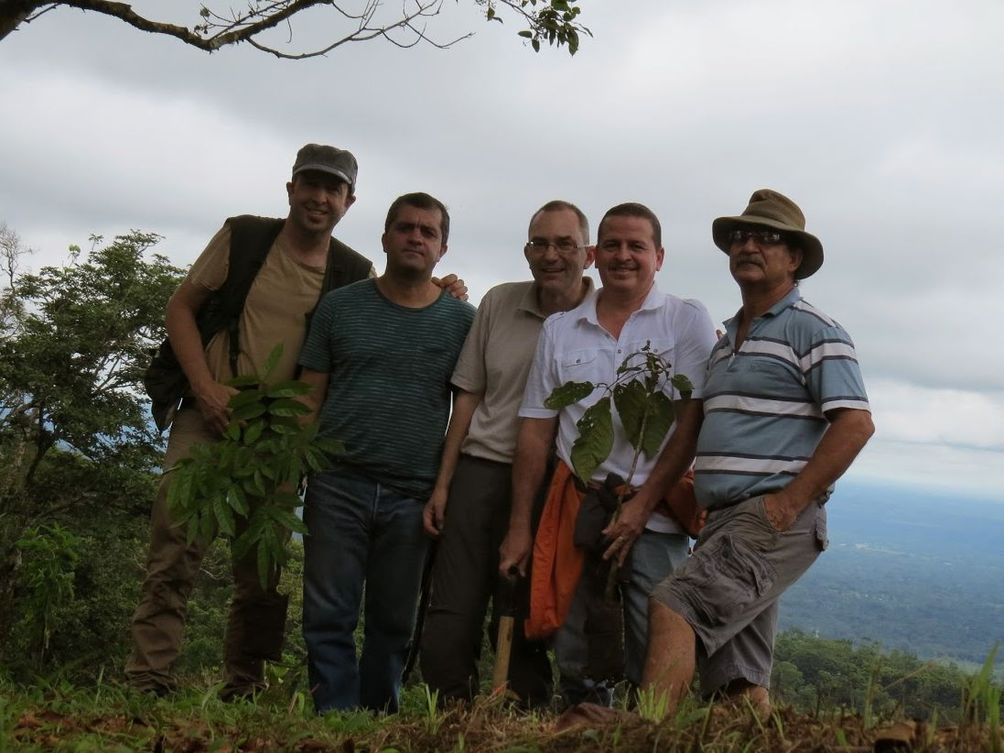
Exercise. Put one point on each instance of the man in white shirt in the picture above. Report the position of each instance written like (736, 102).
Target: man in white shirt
(588, 344)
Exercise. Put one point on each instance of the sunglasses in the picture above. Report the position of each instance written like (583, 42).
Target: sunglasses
(760, 237)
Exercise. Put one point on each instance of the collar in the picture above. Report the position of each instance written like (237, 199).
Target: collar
(531, 305)
(790, 299)
(653, 301)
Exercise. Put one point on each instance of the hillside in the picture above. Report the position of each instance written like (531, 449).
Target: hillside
(913, 570)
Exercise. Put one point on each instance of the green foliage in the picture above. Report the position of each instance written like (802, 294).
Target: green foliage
(74, 431)
(244, 485)
(552, 21)
(646, 417)
(50, 555)
(568, 393)
(645, 409)
(818, 673)
(595, 440)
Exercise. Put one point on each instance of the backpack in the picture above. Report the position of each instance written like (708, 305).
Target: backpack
(251, 238)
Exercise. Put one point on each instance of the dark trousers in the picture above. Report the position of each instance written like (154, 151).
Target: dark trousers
(464, 579)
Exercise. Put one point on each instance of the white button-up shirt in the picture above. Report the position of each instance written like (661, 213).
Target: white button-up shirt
(573, 347)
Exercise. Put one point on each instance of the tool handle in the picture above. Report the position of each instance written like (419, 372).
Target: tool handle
(503, 649)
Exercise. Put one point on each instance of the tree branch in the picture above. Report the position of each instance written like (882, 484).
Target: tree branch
(553, 21)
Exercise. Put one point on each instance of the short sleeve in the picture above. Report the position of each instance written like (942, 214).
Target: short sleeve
(316, 352)
(831, 370)
(210, 270)
(470, 372)
(542, 380)
(695, 340)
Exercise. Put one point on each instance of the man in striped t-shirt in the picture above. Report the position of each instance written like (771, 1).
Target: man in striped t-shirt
(785, 414)
(379, 356)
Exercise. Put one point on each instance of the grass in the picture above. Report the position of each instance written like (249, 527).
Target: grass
(108, 717)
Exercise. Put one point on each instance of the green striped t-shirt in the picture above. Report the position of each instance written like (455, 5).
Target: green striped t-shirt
(389, 388)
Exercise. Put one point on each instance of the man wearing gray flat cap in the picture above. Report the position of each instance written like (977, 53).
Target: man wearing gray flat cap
(254, 286)
(286, 265)
(785, 414)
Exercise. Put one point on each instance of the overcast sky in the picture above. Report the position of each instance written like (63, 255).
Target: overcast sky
(883, 119)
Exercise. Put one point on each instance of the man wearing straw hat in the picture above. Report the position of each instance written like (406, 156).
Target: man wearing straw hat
(785, 414)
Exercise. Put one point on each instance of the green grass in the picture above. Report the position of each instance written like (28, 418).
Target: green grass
(111, 718)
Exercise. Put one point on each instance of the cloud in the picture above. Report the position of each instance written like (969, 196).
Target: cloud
(879, 119)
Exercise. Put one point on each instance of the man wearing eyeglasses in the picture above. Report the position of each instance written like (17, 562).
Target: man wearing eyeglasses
(588, 344)
(469, 507)
(785, 414)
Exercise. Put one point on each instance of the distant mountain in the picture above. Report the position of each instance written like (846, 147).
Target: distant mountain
(911, 569)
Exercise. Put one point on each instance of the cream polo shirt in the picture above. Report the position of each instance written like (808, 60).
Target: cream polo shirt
(494, 363)
(573, 347)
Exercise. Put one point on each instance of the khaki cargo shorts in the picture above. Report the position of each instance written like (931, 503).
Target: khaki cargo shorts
(729, 588)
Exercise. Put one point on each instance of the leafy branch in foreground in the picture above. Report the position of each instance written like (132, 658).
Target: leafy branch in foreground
(639, 392)
(244, 485)
(645, 410)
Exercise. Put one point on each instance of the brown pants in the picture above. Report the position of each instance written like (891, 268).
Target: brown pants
(255, 625)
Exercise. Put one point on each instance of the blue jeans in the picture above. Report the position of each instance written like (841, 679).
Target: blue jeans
(360, 532)
(653, 557)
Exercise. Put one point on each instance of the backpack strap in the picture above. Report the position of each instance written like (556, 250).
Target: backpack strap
(251, 238)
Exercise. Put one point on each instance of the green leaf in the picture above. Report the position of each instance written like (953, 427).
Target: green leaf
(244, 397)
(629, 397)
(285, 518)
(224, 516)
(526, 34)
(330, 446)
(595, 441)
(568, 393)
(252, 433)
(247, 412)
(288, 407)
(683, 385)
(660, 418)
(206, 528)
(245, 380)
(237, 500)
(258, 479)
(289, 388)
(271, 362)
(646, 417)
(233, 430)
(315, 459)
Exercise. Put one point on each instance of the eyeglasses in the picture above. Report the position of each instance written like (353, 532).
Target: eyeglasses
(562, 246)
(761, 237)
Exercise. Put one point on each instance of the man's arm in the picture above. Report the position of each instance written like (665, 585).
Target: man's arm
(318, 383)
(464, 405)
(847, 434)
(211, 396)
(533, 445)
(673, 462)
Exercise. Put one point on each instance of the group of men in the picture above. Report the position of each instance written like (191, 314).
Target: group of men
(777, 413)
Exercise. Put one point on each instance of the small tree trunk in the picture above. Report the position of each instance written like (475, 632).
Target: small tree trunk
(10, 564)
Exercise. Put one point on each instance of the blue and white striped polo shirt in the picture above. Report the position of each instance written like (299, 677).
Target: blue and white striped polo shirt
(764, 405)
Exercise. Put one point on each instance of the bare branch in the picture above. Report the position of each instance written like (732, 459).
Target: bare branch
(551, 21)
